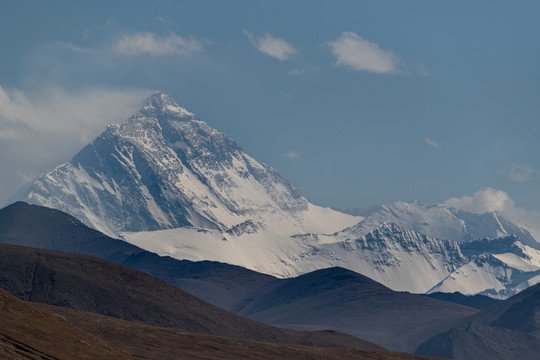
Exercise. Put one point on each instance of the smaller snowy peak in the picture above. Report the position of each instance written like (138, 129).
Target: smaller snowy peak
(438, 221)
(432, 220)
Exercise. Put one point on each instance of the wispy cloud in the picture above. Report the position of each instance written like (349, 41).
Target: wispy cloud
(41, 130)
(357, 53)
(151, 44)
(431, 142)
(69, 46)
(271, 46)
(522, 173)
(292, 155)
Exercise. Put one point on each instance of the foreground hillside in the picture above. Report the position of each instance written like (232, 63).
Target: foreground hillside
(87, 283)
(28, 332)
(37, 331)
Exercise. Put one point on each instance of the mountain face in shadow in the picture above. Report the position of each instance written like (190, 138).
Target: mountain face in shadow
(509, 330)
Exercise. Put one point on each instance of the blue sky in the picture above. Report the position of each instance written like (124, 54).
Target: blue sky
(355, 102)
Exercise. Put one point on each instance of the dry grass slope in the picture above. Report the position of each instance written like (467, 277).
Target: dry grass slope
(27, 332)
(45, 332)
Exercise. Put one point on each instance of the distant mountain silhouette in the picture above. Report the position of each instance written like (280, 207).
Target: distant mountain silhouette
(475, 301)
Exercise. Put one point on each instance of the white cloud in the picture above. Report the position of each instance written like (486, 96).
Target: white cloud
(40, 131)
(490, 199)
(431, 142)
(355, 52)
(271, 46)
(149, 43)
(292, 155)
(522, 173)
(482, 201)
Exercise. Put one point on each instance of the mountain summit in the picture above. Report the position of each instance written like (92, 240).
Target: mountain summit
(164, 168)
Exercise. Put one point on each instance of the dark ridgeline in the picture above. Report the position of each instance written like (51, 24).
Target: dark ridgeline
(509, 330)
(479, 302)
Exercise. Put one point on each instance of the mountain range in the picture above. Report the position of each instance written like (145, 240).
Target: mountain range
(167, 204)
(322, 299)
(169, 183)
(335, 298)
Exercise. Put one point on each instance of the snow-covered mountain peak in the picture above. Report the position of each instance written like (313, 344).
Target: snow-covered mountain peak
(164, 168)
(160, 103)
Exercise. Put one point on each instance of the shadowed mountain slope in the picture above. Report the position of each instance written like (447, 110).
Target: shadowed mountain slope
(343, 300)
(41, 227)
(509, 330)
(87, 283)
